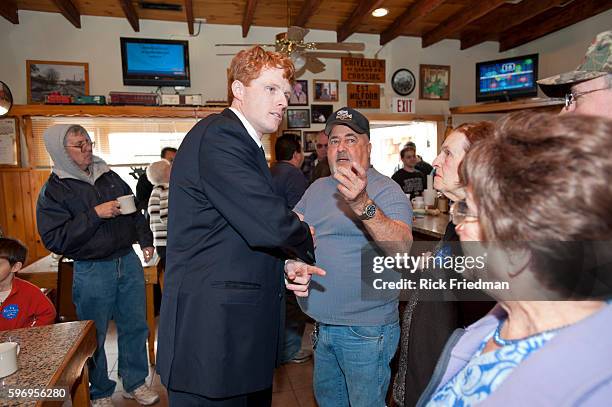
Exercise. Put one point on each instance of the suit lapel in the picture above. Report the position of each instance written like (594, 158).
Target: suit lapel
(247, 139)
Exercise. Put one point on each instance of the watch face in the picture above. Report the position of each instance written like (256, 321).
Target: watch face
(403, 82)
(370, 211)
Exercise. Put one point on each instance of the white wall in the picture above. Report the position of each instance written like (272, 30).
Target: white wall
(49, 36)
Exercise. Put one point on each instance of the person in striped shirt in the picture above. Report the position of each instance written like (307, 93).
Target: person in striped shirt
(159, 175)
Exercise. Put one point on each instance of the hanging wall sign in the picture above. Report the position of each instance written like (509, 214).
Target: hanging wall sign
(363, 70)
(403, 105)
(363, 96)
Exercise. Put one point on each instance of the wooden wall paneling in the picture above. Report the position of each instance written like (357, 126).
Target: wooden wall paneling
(38, 178)
(12, 195)
(20, 188)
(28, 202)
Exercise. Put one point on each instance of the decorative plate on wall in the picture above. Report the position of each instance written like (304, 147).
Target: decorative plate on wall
(403, 82)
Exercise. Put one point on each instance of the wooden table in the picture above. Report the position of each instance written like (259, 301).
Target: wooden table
(52, 356)
(431, 226)
(43, 273)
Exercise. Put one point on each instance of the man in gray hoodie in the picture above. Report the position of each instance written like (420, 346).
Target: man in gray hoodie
(78, 216)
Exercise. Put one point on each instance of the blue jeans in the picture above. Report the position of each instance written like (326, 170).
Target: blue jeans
(352, 364)
(114, 289)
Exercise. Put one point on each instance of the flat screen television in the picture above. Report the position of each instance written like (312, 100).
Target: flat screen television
(506, 79)
(149, 62)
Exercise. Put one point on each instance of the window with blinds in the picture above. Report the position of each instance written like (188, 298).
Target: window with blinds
(120, 141)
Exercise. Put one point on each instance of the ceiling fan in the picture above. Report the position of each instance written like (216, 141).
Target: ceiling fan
(306, 55)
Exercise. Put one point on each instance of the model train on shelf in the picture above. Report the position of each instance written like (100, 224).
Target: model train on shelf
(129, 98)
(56, 98)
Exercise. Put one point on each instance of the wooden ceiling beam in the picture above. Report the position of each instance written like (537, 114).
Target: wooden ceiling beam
(247, 20)
(513, 15)
(8, 10)
(308, 9)
(69, 10)
(471, 12)
(551, 21)
(361, 12)
(189, 16)
(130, 14)
(417, 10)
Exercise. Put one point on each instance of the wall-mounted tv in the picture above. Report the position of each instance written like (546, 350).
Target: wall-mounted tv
(149, 62)
(507, 79)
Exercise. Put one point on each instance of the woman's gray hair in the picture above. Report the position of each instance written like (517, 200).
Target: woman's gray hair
(159, 172)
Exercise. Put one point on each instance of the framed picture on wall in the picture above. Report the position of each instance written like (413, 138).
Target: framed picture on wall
(325, 90)
(434, 82)
(320, 113)
(299, 93)
(309, 141)
(9, 143)
(65, 78)
(298, 118)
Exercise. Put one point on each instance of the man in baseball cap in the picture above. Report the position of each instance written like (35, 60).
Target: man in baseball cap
(354, 207)
(587, 89)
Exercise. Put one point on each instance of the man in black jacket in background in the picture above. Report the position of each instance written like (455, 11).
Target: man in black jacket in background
(228, 234)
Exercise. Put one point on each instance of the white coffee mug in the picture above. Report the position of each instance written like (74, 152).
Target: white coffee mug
(8, 358)
(126, 204)
(418, 202)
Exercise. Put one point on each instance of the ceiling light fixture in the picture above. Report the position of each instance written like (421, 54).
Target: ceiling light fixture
(380, 12)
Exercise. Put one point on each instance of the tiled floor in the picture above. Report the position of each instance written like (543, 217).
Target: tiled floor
(292, 386)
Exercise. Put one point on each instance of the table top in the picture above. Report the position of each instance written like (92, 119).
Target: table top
(47, 353)
(430, 225)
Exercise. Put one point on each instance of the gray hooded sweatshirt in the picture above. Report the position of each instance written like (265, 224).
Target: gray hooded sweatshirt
(63, 166)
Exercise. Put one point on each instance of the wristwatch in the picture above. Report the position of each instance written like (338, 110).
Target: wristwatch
(369, 211)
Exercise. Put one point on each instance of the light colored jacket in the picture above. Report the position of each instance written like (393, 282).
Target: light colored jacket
(573, 369)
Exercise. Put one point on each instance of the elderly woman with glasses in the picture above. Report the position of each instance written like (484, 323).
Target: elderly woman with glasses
(427, 325)
(537, 201)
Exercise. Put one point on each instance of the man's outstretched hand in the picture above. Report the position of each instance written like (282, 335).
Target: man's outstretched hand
(298, 275)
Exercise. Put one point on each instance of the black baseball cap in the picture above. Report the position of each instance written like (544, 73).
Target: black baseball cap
(348, 117)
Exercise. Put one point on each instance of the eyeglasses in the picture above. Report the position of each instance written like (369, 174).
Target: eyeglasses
(83, 146)
(460, 212)
(573, 96)
(321, 145)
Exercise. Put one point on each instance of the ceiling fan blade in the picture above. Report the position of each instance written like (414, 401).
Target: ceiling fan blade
(297, 33)
(244, 45)
(333, 54)
(314, 65)
(345, 46)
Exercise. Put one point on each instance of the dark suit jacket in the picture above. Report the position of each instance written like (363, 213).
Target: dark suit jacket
(288, 182)
(227, 235)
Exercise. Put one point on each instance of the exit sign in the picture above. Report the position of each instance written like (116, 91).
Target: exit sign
(403, 105)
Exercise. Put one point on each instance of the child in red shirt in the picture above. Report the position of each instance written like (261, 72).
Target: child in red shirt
(22, 304)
